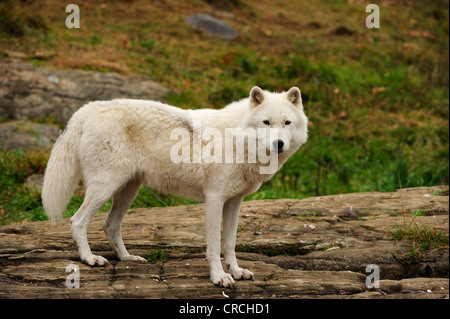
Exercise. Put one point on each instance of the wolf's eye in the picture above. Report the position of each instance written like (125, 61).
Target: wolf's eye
(266, 122)
(287, 122)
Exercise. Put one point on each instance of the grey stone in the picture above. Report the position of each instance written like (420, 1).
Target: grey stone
(212, 26)
(35, 182)
(29, 92)
(27, 136)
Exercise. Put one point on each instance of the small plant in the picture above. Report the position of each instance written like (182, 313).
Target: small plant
(419, 213)
(440, 193)
(423, 238)
(157, 255)
(149, 44)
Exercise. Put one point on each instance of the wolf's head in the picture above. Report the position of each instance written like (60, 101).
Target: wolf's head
(282, 117)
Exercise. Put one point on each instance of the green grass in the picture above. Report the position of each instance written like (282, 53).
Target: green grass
(424, 238)
(419, 213)
(18, 203)
(157, 255)
(377, 101)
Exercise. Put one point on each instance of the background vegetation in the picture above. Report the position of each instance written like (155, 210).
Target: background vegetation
(377, 99)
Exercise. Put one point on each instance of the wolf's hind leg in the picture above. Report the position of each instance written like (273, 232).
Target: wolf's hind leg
(122, 200)
(96, 196)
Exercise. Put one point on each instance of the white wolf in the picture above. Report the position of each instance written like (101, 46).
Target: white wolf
(116, 146)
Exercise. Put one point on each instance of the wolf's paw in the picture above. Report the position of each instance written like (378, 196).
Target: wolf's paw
(94, 260)
(241, 273)
(223, 280)
(134, 258)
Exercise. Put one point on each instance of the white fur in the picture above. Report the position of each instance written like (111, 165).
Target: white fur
(116, 146)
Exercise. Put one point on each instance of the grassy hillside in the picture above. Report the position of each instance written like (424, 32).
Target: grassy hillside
(377, 99)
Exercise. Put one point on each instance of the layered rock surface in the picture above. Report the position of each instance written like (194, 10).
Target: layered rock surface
(312, 248)
(30, 92)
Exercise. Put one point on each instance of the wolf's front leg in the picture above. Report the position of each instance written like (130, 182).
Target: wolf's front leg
(213, 207)
(230, 223)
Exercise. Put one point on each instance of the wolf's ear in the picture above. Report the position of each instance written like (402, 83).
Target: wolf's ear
(294, 96)
(256, 96)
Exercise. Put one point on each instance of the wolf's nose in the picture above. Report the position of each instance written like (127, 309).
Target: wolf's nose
(278, 145)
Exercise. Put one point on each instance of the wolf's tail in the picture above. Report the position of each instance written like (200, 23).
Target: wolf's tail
(63, 170)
